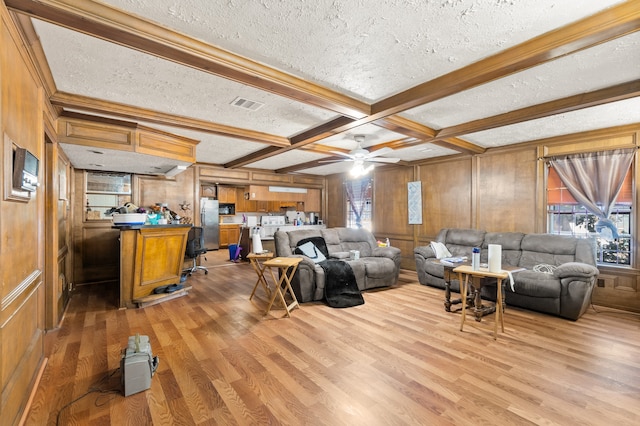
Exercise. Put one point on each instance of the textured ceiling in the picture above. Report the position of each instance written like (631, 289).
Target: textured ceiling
(365, 50)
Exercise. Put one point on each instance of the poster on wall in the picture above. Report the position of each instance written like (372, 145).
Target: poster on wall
(415, 202)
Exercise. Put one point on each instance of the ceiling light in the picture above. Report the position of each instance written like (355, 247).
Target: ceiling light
(176, 170)
(359, 169)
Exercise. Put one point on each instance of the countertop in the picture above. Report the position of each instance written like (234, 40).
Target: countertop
(128, 227)
(271, 229)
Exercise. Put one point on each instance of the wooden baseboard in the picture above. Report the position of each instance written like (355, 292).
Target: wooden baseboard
(34, 389)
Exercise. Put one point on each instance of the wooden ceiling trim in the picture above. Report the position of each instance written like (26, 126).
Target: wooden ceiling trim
(110, 24)
(337, 125)
(322, 131)
(68, 100)
(405, 126)
(34, 47)
(607, 25)
(303, 166)
(459, 145)
(599, 28)
(252, 158)
(558, 106)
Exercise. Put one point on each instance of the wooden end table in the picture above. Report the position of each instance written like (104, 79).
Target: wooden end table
(255, 259)
(287, 267)
(467, 271)
(448, 276)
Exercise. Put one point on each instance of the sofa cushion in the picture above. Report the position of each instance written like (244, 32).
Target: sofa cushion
(461, 241)
(535, 284)
(546, 249)
(297, 236)
(510, 242)
(356, 239)
(318, 242)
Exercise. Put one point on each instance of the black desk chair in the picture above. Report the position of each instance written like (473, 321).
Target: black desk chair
(195, 248)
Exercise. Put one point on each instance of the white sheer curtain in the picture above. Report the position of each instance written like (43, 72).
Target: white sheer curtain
(357, 196)
(594, 179)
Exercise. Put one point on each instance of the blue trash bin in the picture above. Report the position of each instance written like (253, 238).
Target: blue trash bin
(232, 251)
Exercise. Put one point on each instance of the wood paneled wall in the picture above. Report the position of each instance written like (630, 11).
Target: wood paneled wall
(335, 213)
(391, 214)
(502, 189)
(505, 184)
(21, 229)
(447, 194)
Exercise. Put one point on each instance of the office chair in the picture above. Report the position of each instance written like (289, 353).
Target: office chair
(195, 248)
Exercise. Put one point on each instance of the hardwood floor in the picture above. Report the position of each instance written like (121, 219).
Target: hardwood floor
(398, 359)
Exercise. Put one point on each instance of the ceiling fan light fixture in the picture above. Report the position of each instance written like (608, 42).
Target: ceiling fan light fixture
(359, 169)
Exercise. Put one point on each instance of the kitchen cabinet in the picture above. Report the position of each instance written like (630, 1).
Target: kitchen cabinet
(227, 194)
(229, 234)
(312, 202)
(208, 191)
(273, 206)
(244, 205)
(262, 206)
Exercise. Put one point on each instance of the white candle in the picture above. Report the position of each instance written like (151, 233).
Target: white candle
(495, 257)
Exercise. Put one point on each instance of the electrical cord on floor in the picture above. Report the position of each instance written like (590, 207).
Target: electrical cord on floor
(93, 389)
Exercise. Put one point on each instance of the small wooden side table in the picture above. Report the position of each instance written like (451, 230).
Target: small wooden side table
(255, 259)
(287, 267)
(467, 271)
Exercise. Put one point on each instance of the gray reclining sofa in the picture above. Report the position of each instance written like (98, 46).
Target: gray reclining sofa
(376, 267)
(565, 292)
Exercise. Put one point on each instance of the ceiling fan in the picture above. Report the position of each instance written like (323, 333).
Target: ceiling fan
(360, 155)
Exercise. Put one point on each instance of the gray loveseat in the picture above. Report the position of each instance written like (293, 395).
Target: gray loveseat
(376, 267)
(565, 292)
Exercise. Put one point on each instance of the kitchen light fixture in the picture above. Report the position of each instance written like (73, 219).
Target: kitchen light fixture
(176, 170)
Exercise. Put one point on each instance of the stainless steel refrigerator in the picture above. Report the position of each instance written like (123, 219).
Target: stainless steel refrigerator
(209, 219)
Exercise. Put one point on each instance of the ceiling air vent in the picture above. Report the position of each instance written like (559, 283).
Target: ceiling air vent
(247, 104)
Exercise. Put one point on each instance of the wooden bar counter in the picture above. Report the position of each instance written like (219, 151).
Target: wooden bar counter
(150, 256)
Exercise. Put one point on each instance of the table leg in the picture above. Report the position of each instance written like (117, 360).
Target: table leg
(499, 309)
(285, 277)
(276, 290)
(447, 294)
(477, 298)
(261, 280)
(463, 290)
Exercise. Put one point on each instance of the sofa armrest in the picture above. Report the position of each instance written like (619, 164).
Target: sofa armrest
(339, 255)
(306, 261)
(576, 270)
(390, 252)
(425, 251)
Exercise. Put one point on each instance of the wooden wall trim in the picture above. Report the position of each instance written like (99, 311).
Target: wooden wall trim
(20, 293)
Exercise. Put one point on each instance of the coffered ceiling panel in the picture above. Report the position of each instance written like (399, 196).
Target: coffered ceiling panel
(425, 78)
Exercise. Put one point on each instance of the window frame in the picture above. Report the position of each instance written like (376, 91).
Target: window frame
(628, 203)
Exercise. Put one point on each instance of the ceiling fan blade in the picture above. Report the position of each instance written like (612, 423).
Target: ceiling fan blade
(335, 161)
(382, 160)
(379, 152)
(342, 154)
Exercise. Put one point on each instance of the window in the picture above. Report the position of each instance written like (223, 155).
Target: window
(359, 202)
(566, 217)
